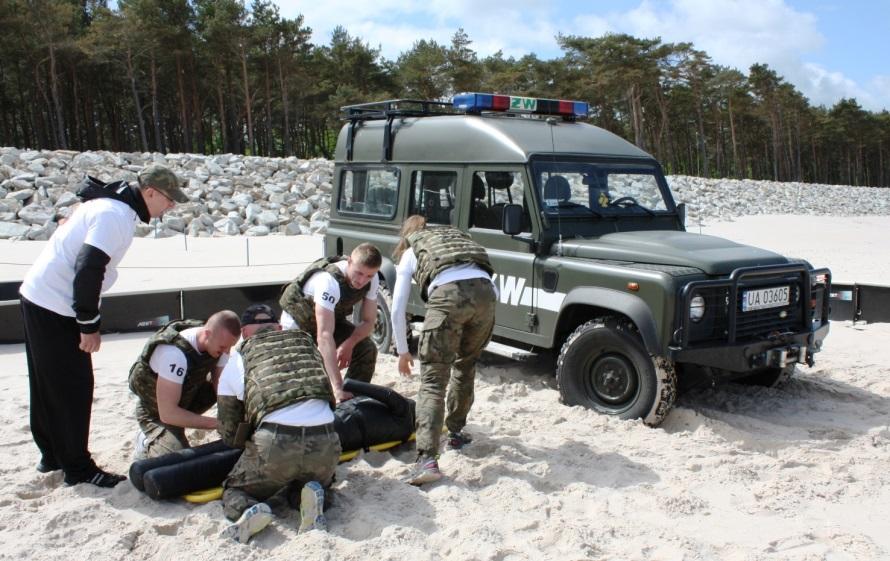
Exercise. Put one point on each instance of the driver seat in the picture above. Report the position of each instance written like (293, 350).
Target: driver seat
(557, 188)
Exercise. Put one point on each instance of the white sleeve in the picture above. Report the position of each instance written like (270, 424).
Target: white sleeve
(375, 286)
(169, 363)
(231, 381)
(401, 292)
(324, 290)
(287, 322)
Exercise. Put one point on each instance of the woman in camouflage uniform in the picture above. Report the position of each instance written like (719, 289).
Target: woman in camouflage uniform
(453, 274)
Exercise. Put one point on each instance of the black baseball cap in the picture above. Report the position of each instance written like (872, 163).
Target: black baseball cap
(258, 313)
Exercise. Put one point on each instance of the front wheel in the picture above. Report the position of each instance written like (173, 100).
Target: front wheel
(604, 366)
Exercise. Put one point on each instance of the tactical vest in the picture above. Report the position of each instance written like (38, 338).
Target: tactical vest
(144, 381)
(302, 307)
(438, 248)
(282, 368)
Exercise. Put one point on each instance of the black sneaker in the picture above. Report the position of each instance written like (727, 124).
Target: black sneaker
(99, 478)
(457, 440)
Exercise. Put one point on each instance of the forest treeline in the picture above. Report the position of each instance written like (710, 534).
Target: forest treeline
(215, 76)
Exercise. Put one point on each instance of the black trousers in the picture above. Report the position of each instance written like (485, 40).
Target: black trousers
(60, 377)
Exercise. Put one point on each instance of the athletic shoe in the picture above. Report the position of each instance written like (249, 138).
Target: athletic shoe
(252, 521)
(426, 470)
(99, 478)
(457, 440)
(312, 507)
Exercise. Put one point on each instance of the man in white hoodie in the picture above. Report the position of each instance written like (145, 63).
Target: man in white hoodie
(60, 308)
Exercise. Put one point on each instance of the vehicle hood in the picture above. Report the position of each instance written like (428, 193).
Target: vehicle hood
(710, 254)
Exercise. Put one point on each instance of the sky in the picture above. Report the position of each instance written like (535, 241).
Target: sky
(829, 49)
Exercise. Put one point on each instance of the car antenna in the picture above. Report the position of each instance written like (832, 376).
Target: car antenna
(552, 122)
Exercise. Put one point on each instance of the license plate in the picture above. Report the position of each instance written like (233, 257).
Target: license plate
(766, 298)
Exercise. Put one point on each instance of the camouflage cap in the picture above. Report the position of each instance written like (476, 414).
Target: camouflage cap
(161, 178)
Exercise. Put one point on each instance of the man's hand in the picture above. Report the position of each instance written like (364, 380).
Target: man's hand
(344, 354)
(406, 361)
(89, 342)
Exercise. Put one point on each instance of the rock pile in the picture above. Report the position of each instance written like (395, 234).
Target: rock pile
(252, 196)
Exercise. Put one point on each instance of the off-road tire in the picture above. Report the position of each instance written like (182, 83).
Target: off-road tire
(604, 366)
(382, 336)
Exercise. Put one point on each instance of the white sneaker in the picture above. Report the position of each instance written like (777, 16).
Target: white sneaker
(312, 507)
(252, 521)
(139, 446)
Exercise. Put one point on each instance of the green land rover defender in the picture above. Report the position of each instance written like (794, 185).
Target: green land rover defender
(590, 251)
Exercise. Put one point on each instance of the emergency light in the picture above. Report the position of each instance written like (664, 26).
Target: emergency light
(478, 102)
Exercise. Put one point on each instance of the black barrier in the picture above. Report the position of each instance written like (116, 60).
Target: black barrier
(148, 311)
(873, 303)
(200, 303)
(843, 302)
(9, 290)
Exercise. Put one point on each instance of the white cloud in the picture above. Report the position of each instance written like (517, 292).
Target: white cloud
(736, 33)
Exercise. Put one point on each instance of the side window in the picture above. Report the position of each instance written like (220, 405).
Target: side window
(372, 192)
(432, 196)
(491, 191)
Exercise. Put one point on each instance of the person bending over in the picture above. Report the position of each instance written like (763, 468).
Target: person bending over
(320, 301)
(60, 298)
(175, 379)
(453, 275)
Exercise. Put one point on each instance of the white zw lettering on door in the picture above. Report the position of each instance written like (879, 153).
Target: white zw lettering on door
(515, 291)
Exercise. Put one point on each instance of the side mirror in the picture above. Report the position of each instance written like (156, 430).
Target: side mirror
(512, 219)
(681, 213)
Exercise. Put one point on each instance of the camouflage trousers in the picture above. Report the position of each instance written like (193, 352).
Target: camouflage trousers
(161, 438)
(277, 461)
(364, 353)
(458, 323)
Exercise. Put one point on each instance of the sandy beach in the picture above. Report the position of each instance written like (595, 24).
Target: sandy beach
(734, 473)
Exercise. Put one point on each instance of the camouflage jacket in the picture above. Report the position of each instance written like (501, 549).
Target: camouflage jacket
(143, 380)
(281, 368)
(302, 308)
(440, 247)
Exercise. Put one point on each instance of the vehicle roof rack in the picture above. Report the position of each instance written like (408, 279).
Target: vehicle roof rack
(461, 104)
(389, 110)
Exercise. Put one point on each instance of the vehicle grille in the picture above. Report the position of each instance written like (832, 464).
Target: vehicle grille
(723, 305)
(759, 324)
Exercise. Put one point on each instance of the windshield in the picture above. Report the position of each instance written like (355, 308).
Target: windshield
(580, 189)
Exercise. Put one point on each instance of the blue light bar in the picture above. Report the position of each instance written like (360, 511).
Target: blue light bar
(478, 102)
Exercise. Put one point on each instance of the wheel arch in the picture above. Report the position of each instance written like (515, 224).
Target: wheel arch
(585, 303)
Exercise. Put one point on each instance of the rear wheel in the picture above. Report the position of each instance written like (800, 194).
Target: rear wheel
(382, 334)
(604, 366)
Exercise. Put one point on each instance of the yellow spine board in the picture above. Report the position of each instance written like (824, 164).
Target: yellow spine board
(215, 493)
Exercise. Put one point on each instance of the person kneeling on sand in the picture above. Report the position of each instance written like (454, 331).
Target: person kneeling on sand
(175, 379)
(275, 400)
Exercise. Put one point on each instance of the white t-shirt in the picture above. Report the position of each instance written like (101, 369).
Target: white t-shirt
(402, 290)
(306, 413)
(324, 290)
(106, 224)
(170, 363)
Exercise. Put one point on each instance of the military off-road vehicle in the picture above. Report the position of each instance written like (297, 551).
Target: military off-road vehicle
(590, 250)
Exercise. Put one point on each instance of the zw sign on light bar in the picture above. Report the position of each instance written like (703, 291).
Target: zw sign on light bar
(477, 102)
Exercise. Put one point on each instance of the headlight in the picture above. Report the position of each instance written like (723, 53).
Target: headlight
(697, 308)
